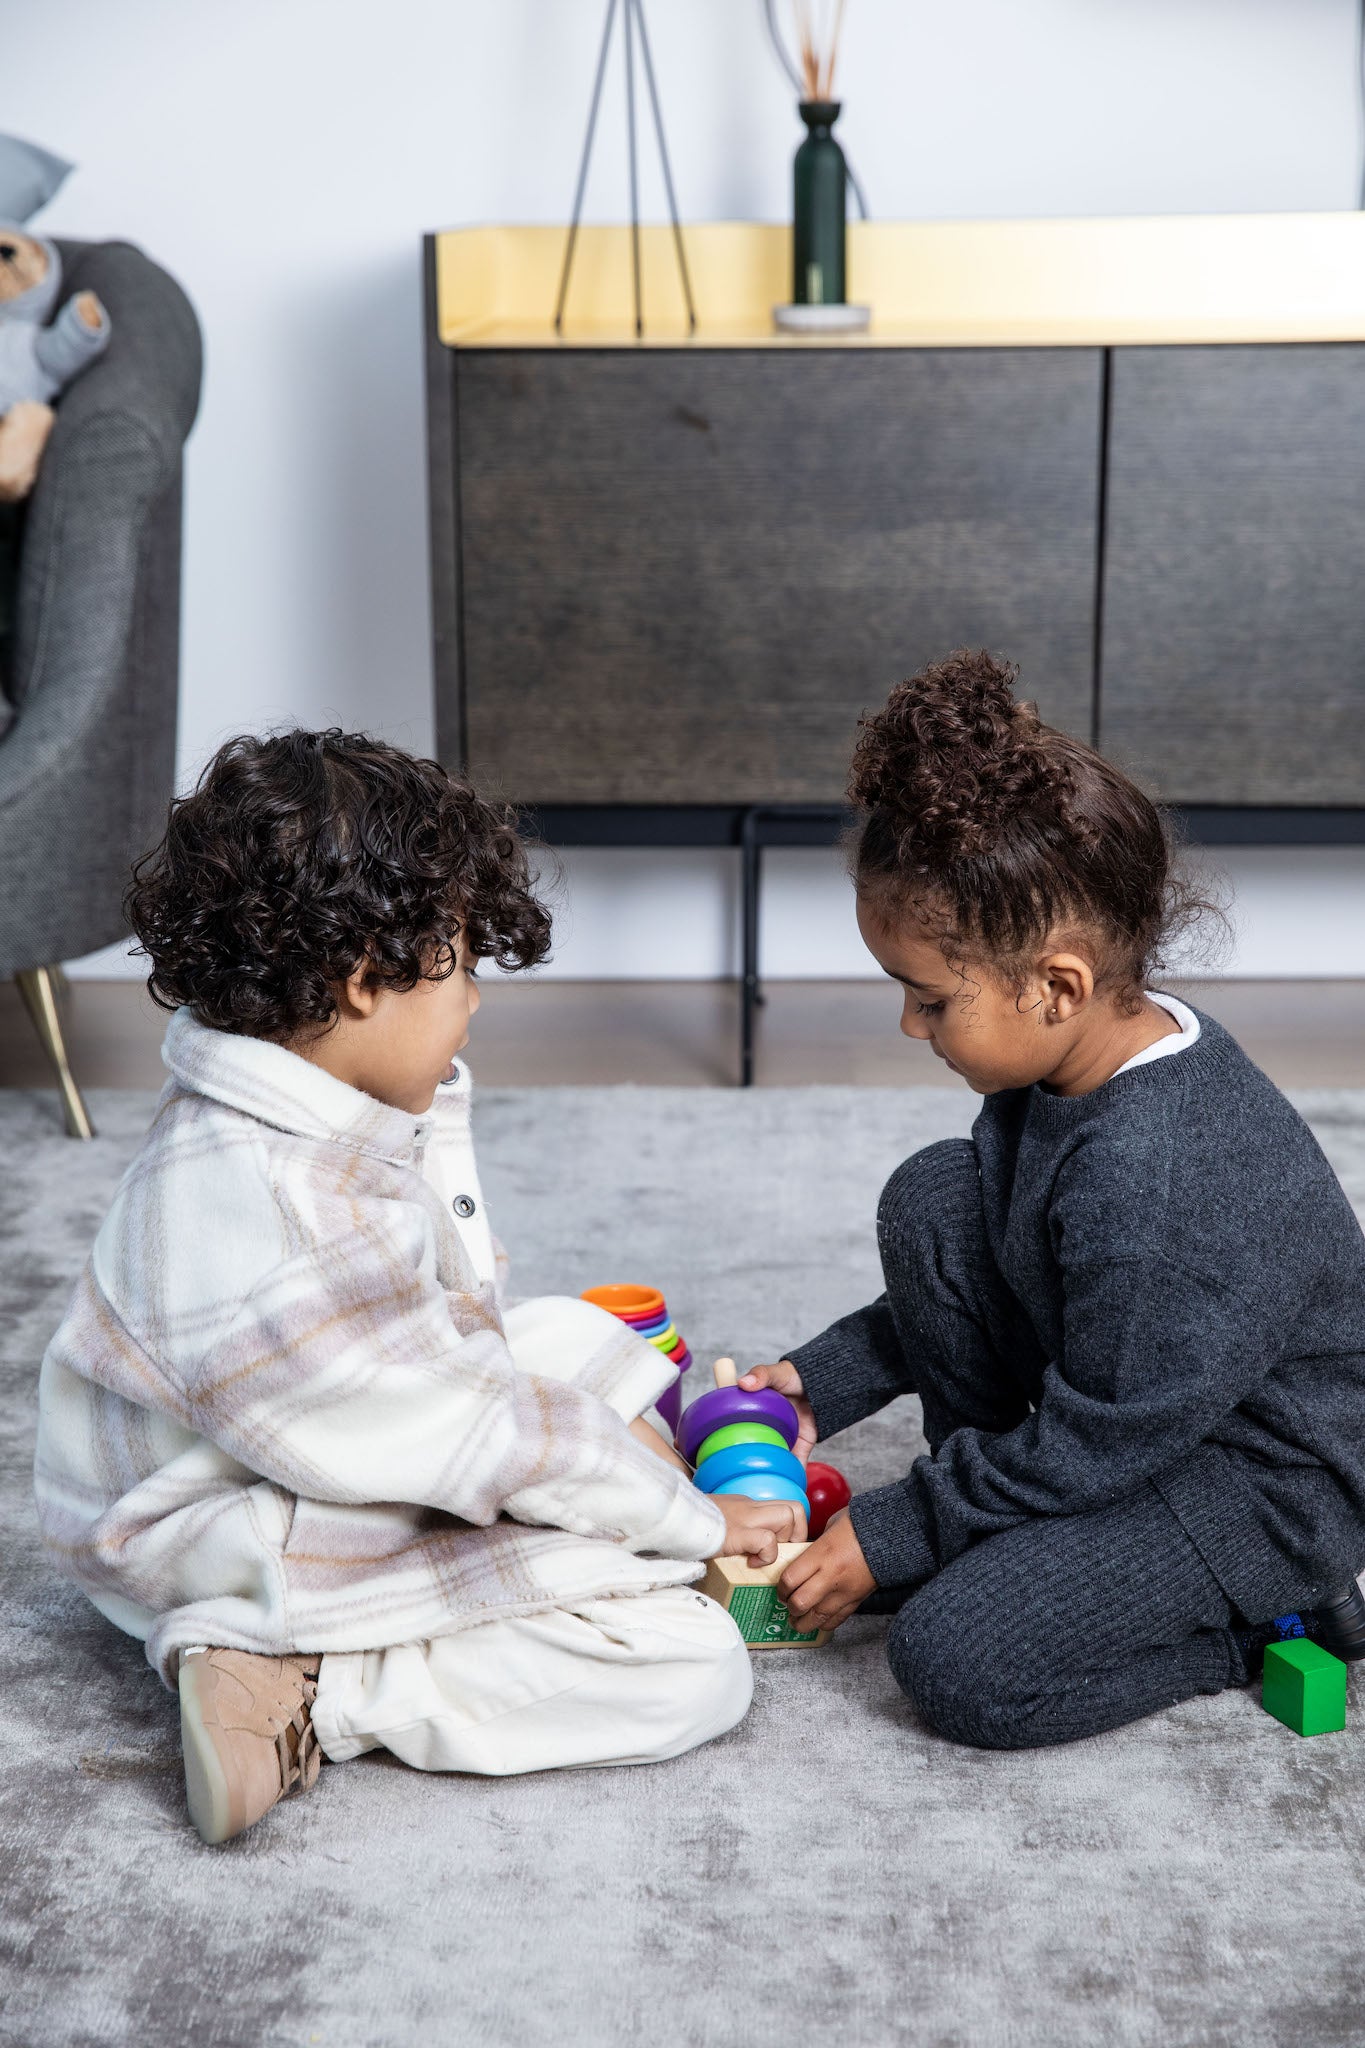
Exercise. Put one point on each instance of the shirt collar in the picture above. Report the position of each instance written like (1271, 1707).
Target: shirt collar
(277, 1087)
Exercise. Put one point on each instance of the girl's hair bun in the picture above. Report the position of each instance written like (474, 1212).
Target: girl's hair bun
(951, 759)
(996, 830)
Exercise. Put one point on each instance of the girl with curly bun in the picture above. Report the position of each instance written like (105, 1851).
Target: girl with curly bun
(1132, 1305)
(292, 1435)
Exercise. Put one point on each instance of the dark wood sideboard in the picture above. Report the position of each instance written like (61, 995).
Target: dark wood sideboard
(668, 578)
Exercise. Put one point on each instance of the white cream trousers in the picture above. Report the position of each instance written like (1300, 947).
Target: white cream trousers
(629, 1680)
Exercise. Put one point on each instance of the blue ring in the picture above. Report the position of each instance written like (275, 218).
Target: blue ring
(766, 1486)
(736, 1459)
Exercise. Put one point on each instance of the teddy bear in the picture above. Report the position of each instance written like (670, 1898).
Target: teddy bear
(37, 360)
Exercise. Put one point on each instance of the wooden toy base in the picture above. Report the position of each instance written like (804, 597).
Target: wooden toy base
(749, 1596)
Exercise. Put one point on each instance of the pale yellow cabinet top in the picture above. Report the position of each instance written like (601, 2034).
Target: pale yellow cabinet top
(987, 284)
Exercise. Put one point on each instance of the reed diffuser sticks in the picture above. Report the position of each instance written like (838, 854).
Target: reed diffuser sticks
(818, 24)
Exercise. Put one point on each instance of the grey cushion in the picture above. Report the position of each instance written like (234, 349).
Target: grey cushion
(28, 177)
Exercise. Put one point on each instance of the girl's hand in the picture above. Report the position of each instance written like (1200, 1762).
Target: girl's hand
(783, 1378)
(754, 1528)
(830, 1580)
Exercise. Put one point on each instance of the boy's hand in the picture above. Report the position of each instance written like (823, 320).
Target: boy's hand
(754, 1528)
(829, 1581)
(783, 1378)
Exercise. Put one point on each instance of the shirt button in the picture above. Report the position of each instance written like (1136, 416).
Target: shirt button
(463, 1205)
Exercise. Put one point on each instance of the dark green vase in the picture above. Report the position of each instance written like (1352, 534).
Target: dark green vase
(820, 195)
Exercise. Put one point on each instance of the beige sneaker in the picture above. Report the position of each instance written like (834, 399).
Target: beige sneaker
(247, 1735)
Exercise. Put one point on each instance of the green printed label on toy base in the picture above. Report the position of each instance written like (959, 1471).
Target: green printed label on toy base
(761, 1617)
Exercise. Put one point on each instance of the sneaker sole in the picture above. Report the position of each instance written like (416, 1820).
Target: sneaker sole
(206, 1789)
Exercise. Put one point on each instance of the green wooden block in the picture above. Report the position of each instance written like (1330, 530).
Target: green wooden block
(1304, 1686)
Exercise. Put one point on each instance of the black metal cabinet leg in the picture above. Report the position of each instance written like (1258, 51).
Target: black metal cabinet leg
(751, 855)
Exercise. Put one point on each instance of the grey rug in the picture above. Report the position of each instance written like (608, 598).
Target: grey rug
(830, 1871)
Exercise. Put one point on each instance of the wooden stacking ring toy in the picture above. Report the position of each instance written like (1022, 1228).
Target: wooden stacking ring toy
(739, 1451)
(644, 1310)
(760, 1470)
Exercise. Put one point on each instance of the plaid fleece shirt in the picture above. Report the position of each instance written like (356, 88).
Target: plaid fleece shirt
(288, 1408)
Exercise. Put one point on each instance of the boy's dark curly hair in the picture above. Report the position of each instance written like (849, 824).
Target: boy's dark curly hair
(298, 857)
(997, 830)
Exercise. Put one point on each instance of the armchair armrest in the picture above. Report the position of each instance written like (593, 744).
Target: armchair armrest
(76, 599)
(115, 448)
(87, 767)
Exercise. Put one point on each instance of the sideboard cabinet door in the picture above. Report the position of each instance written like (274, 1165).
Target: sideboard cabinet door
(1233, 645)
(685, 573)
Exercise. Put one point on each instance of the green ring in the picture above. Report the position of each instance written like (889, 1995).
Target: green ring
(738, 1433)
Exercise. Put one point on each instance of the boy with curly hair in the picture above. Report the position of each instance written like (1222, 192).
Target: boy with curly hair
(292, 1435)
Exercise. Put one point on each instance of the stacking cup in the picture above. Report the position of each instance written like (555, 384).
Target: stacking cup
(644, 1310)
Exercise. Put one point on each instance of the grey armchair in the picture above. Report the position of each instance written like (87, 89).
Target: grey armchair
(87, 766)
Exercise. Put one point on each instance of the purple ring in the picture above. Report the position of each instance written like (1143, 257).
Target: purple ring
(735, 1404)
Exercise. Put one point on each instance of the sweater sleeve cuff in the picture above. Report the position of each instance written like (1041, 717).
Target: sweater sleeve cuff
(829, 1384)
(852, 1369)
(891, 1537)
(818, 1364)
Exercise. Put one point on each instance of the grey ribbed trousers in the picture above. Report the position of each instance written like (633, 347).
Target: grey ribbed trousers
(1063, 1626)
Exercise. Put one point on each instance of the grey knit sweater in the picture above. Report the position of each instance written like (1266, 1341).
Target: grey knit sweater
(1195, 1278)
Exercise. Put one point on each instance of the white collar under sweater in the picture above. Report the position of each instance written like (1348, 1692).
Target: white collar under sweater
(1162, 1048)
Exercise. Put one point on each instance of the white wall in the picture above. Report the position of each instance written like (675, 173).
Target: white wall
(675, 916)
(282, 157)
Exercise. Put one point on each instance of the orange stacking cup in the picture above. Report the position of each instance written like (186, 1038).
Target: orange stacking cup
(644, 1310)
(631, 1304)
